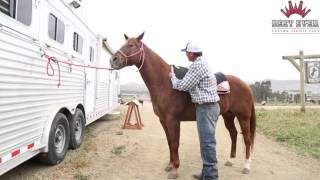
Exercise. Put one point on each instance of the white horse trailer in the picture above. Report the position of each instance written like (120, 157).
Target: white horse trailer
(51, 85)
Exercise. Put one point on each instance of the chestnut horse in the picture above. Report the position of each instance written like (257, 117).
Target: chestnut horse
(172, 106)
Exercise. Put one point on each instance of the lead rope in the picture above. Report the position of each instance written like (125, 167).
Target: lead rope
(143, 55)
(53, 59)
(50, 58)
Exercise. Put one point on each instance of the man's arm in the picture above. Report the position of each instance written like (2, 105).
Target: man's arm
(190, 80)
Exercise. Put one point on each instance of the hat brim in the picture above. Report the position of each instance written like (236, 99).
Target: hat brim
(183, 50)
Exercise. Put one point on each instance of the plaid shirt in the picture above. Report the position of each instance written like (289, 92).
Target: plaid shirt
(199, 82)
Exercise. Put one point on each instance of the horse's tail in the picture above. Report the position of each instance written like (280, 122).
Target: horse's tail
(252, 126)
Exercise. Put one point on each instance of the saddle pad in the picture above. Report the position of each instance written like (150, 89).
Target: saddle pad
(223, 86)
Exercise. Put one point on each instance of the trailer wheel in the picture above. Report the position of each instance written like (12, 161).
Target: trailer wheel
(77, 126)
(59, 139)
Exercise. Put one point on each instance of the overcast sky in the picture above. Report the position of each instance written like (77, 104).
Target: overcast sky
(236, 36)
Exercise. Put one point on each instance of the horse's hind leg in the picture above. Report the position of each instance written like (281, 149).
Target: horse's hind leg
(228, 118)
(245, 128)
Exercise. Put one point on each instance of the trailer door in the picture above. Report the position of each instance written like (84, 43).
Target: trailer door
(91, 80)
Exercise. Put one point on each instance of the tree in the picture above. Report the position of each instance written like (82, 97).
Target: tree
(262, 90)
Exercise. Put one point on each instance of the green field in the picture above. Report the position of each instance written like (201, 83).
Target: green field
(299, 131)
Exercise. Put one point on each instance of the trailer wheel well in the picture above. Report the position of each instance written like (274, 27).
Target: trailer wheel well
(67, 113)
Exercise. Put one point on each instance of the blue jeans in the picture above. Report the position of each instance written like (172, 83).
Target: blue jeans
(207, 117)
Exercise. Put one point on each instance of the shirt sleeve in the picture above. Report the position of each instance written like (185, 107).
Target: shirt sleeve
(190, 80)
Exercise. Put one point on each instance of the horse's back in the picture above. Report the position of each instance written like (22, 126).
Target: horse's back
(238, 84)
(240, 99)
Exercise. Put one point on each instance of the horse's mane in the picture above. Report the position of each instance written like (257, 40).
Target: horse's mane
(155, 55)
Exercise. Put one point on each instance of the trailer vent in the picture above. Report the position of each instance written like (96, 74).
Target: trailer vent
(7, 7)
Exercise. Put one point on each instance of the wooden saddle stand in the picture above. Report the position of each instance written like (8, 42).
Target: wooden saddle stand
(132, 105)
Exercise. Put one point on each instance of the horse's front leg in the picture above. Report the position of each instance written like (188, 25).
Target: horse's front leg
(173, 137)
(169, 167)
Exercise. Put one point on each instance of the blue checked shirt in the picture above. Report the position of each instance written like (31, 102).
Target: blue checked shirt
(199, 82)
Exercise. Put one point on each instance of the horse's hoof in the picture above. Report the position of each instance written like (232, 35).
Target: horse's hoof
(228, 163)
(168, 168)
(173, 175)
(245, 171)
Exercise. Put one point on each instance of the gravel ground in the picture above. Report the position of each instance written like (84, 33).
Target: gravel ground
(112, 153)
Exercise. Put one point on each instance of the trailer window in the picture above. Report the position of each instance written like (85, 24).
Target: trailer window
(56, 29)
(77, 42)
(91, 54)
(20, 10)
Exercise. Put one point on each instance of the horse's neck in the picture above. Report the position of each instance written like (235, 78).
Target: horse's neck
(155, 73)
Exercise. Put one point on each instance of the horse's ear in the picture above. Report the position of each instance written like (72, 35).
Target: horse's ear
(140, 36)
(126, 37)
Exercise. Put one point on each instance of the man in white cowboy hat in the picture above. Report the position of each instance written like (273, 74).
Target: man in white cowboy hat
(201, 83)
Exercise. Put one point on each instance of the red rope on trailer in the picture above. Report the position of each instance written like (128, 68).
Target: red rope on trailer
(53, 59)
(52, 69)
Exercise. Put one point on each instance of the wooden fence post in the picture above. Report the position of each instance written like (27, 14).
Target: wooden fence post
(300, 67)
(302, 82)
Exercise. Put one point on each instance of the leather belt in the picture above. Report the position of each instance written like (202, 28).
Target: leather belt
(206, 103)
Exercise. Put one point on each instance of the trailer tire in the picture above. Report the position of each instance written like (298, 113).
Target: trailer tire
(77, 128)
(59, 139)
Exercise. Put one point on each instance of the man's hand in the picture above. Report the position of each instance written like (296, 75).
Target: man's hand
(171, 74)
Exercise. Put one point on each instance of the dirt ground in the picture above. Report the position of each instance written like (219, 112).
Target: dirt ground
(111, 153)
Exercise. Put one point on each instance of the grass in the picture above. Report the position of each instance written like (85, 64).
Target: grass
(89, 136)
(80, 176)
(118, 150)
(299, 131)
(82, 160)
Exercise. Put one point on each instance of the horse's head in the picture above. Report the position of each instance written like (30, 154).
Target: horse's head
(131, 53)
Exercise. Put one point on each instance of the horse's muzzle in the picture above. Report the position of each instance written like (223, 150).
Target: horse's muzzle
(115, 62)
